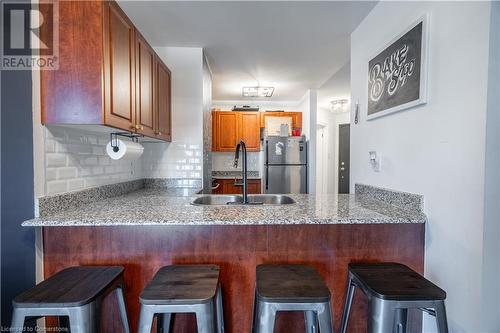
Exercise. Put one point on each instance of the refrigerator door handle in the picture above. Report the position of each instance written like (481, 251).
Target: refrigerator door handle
(267, 152)
(267, 177)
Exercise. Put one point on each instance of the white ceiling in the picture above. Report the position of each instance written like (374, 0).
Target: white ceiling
(291, 45)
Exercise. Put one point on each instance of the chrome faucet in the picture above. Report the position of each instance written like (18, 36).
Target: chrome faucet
(242, 146)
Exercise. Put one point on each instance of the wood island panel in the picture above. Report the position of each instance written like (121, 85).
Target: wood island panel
(142, 250)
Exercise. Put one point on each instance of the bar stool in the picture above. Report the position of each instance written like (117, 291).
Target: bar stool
(182, 289)
(392, 289)
(291, 288)
(76, 292)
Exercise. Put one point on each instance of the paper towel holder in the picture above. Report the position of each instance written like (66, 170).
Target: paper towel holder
(114, 138)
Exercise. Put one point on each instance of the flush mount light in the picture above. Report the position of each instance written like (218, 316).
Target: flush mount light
(339, 105)
(258, 91)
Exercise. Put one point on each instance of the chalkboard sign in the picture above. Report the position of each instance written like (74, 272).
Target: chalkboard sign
(396, 76)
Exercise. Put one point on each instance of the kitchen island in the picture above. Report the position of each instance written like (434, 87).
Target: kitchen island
(150, 228)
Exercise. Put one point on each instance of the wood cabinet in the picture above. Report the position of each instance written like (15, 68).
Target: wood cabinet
(145, 82)
(225, 131)
(108, 74)
(163, 100)
(249, 129)
(227, 186)
(229, 128)
(296, 117)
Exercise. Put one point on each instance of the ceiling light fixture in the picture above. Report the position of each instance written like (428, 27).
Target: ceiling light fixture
(258, 91)
(339, 105)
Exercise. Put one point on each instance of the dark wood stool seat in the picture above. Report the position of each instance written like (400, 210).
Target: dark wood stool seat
(74, 286)
(74, 292)
(392, 289)
(291, 288)
(183, 288)
(393, 281)
(290, 283)
(182, 284)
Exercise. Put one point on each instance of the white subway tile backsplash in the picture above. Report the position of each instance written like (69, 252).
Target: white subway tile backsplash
(67, 173)
(225, 161)
(50, 174)
(58, 186)
(76, 184)
(76, 159)
(55, 160)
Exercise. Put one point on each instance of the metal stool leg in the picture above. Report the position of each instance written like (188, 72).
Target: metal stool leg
(381, 315)
(325, 319)
(123, 309)
(163, 322)
(265, 317)
(351, 288)
(81, 319)
(205, 318)
(166, 319)
(441, 320)
(254, 314)
(401, 317)
(17, 324)
(145, 319)
(311, 321)
(220, 310)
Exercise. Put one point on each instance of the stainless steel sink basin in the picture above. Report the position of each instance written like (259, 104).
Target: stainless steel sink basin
(253, 199)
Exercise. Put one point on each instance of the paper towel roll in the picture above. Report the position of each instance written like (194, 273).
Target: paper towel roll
(127, 150)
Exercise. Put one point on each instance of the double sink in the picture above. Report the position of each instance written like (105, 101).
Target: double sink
(253, 199)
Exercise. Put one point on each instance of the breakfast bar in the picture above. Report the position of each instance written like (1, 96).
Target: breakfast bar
(151, 227)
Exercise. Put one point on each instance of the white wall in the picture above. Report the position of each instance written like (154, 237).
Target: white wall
(438, 149)
(336, 87)
(309, 108)
(491, 238)
(183, 157)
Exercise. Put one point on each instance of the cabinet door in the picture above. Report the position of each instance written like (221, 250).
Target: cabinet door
(119, 68)
(226, 131)
(164, 101)
(228, 186)
(214, 130)
(254, 186)
(296, 119)
(249, 129)
(145, 62)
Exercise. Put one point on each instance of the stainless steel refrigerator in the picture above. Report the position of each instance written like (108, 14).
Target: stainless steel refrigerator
(285, 164)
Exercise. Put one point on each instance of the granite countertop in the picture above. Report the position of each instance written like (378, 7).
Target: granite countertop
(156, 206)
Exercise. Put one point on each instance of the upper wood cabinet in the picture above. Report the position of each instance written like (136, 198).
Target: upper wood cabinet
(119, 68)
(296, 117)
(108, 74)
(164, 108)
(145, 86)
(225, 131)
(229, 128)
(249, 129)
